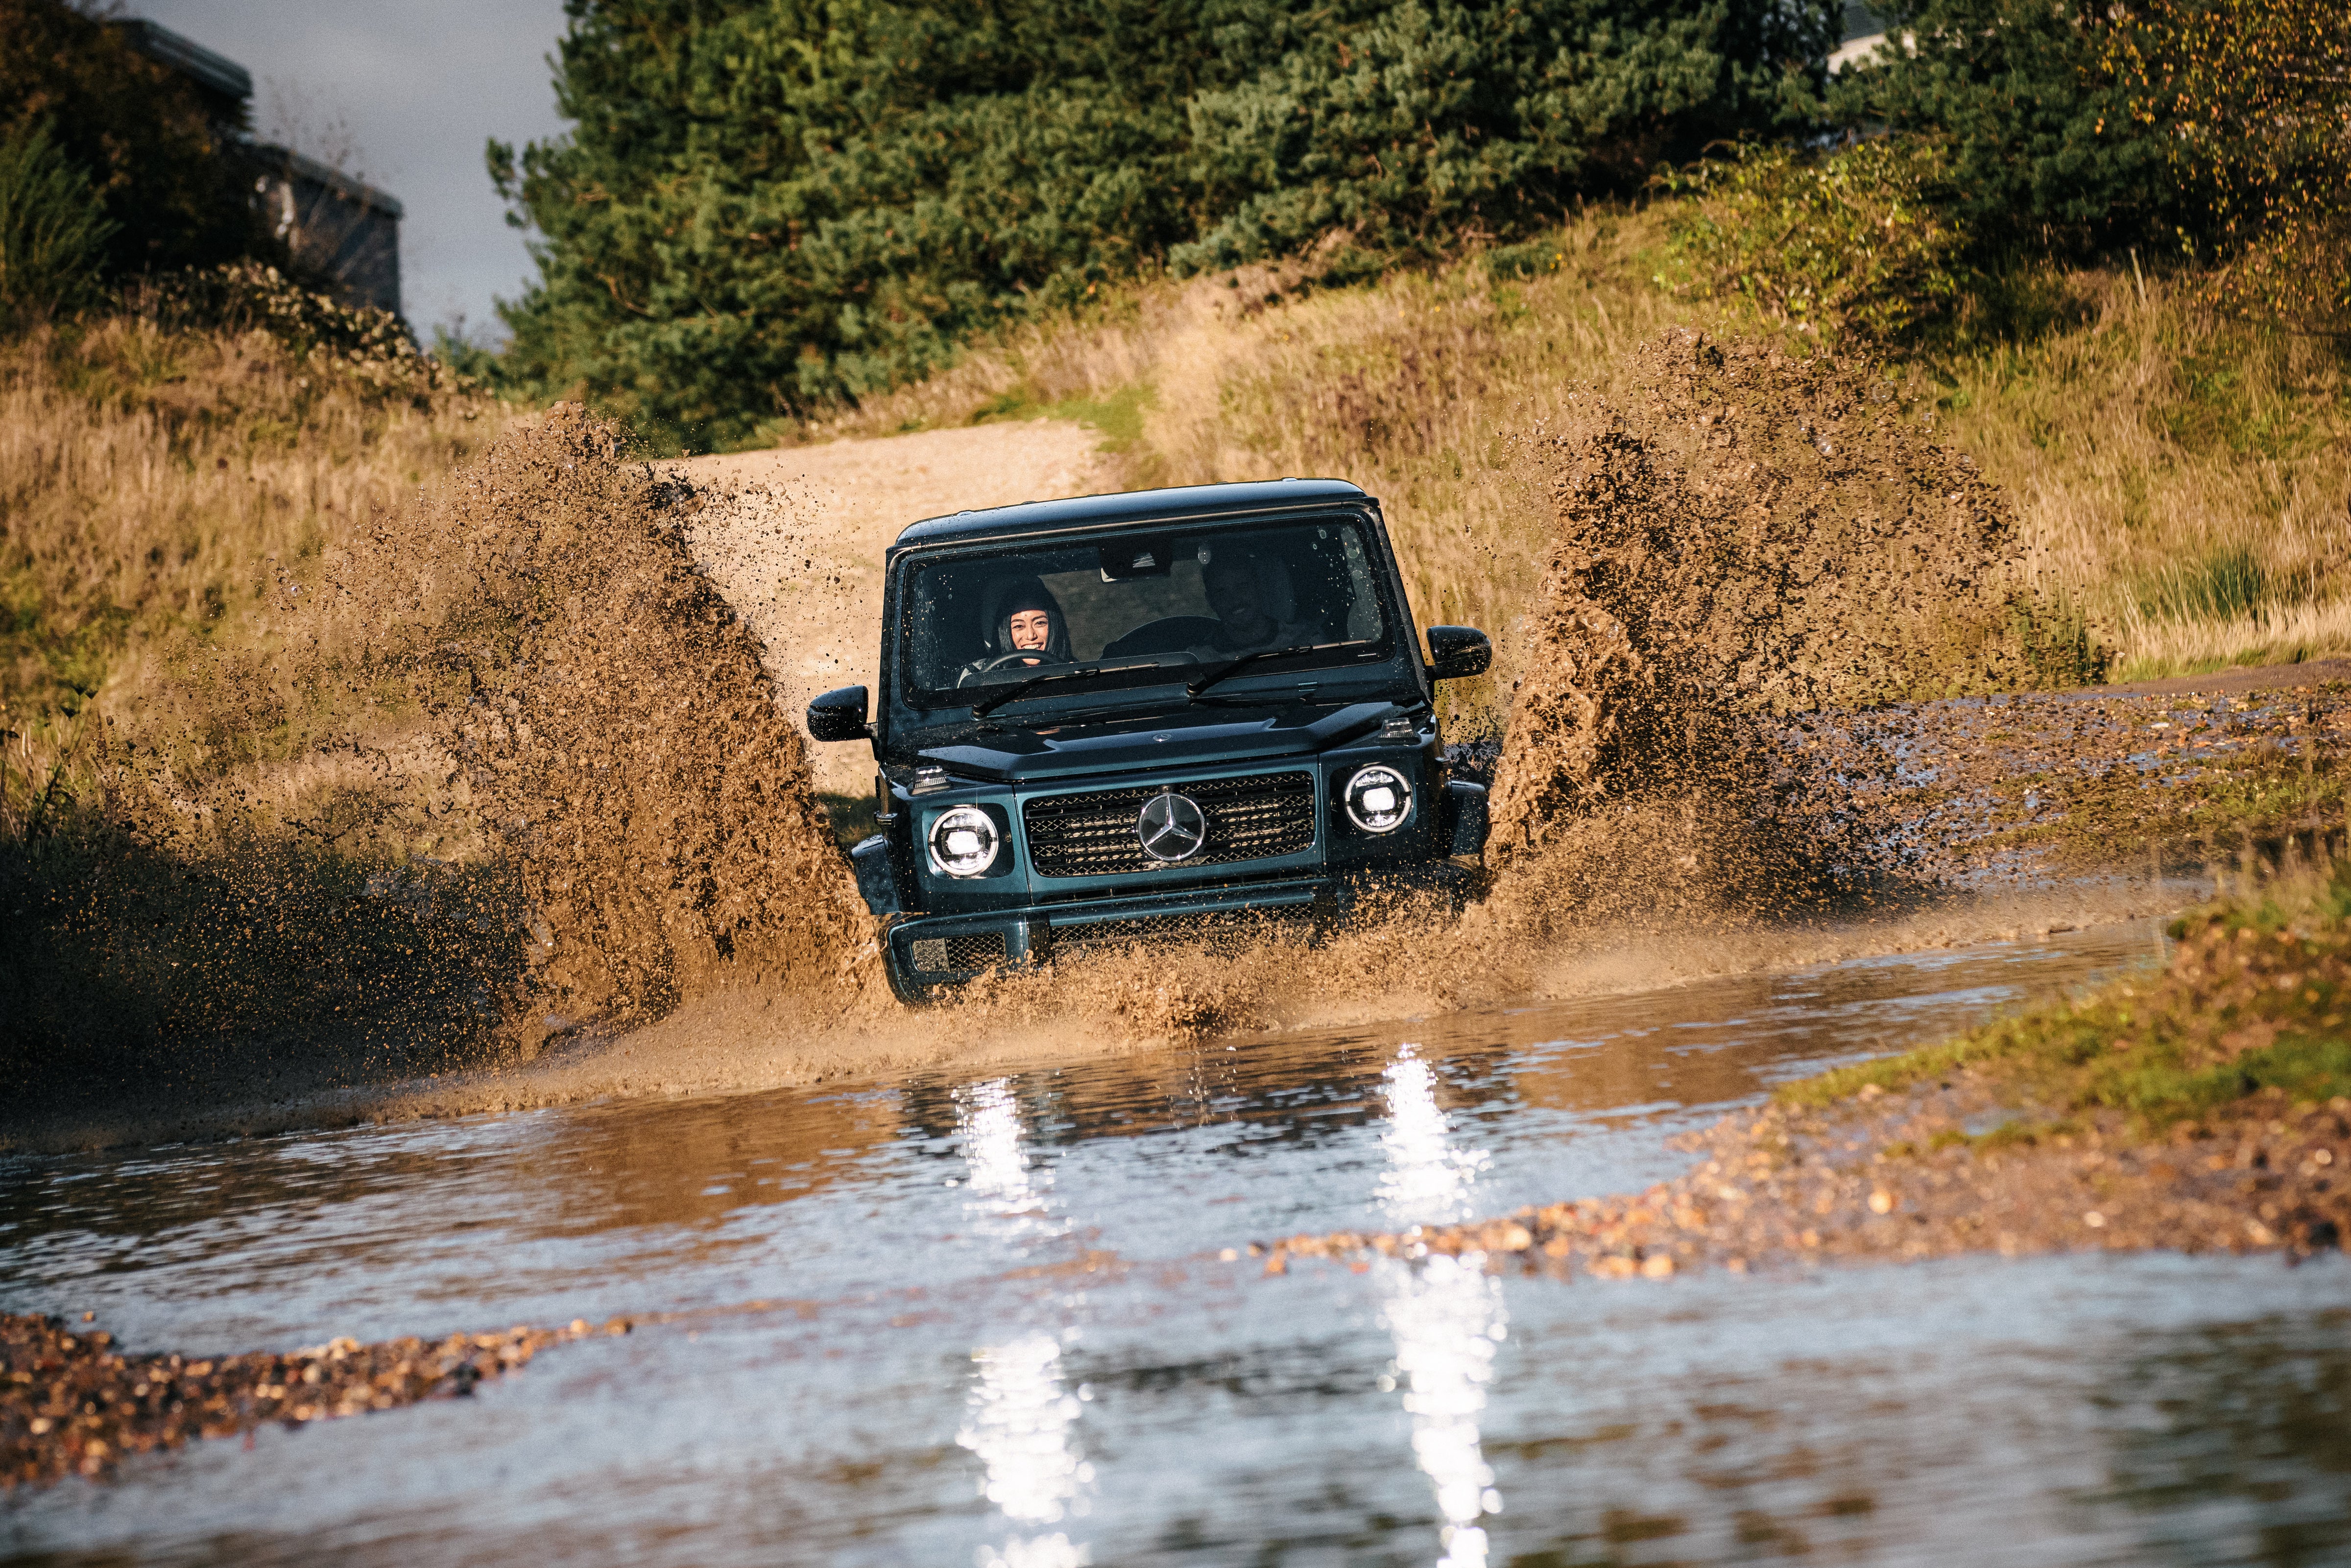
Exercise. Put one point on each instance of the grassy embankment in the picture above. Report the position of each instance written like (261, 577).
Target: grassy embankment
(157, 482)
(2252, 1002)
(2182, 478)
(162, 485)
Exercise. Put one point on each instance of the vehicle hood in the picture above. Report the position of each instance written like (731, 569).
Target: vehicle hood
(1190, 738)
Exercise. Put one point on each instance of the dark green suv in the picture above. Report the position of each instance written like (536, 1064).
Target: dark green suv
(1106, 718)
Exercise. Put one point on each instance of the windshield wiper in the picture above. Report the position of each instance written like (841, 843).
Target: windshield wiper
(1234, 667)
(988, 705)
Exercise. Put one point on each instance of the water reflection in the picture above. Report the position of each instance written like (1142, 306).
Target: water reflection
(1019, 1425)
(926, 1395)
(1020, 1417)
(2235, 1432)
(1445, 1314)
(997, 1182)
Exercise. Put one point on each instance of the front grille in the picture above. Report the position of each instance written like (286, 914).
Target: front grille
(977, 950)
(1092, 834)
(1227, 930)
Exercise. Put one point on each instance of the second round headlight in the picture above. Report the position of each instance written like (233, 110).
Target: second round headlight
(963, 841)
(1379, 798)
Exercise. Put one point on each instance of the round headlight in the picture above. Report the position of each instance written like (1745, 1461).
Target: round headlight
(1378, 798)
(963, 841)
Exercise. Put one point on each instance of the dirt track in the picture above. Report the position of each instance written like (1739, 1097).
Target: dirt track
(839, 506)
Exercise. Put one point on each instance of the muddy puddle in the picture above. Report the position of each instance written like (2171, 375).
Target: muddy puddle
(989, 1319)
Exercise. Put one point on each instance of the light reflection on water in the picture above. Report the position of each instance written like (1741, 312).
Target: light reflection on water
(1447, 1313)
(1022, 1418)
(953, 1321)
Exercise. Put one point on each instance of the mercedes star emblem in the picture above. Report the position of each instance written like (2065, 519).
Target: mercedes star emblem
(1171, 827)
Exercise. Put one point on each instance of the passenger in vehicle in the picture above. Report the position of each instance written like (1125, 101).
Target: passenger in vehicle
(1252, 599)
(1027, 629)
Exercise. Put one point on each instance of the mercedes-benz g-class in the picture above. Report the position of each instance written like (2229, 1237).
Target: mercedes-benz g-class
(1104, 718)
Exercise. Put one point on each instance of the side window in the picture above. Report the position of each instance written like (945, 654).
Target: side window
(1335, 586)
(1363, 600)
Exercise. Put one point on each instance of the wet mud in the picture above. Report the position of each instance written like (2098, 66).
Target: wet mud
(506, 768)
(1743, 537)
(73, 1405)
(618, 739)
(2061, 782)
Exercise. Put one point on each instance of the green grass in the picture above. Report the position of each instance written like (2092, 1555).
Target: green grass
(1117, 414)
(2222, 583)
(2253, 999)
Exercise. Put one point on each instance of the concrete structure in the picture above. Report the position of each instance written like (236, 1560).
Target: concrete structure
(343, 229)
(1865, 33)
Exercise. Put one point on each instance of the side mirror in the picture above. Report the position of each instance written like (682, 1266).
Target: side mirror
(1457, 652)
(840, 715)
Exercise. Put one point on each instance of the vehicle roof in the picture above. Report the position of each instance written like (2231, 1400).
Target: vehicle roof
(1181, 503)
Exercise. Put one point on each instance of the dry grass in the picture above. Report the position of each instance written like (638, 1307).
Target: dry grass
(2285, 634)
(164, 494)
(2187, 474)
(2181, 479)
(156, 484)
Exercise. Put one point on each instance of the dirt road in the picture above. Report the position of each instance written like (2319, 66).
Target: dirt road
(796, 545)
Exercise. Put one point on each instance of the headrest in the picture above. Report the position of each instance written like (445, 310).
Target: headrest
(1274, 595)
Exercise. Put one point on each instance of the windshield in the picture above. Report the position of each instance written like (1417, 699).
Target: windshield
(1127, 605)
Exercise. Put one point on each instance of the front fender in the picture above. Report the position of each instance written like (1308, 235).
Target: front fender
(875, 881)
(1466, 805)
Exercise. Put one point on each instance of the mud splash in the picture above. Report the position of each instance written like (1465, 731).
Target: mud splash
(1749, 538)
(502, 766)
(617, 745)
(525, 732)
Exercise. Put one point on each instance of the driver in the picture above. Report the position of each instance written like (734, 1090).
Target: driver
(1235, 582)
(1027, 629)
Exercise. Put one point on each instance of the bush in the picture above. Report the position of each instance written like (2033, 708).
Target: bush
(2256, 95)
(2045, 153)
(249, 297)
(1853, 241)
(158, 156)
(53, 232)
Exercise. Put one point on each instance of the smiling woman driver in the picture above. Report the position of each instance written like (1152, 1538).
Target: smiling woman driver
(1027, 629)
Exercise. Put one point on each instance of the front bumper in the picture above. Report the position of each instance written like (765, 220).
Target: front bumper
(1014, 920)
(931, 951)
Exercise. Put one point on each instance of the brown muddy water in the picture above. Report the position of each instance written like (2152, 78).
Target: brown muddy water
(989, 1319)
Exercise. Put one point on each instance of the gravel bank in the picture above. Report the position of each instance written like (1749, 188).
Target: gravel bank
(1899, 1175)
(70, 1404)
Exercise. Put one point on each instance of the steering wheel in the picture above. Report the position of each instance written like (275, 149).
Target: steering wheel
(1019, 656)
